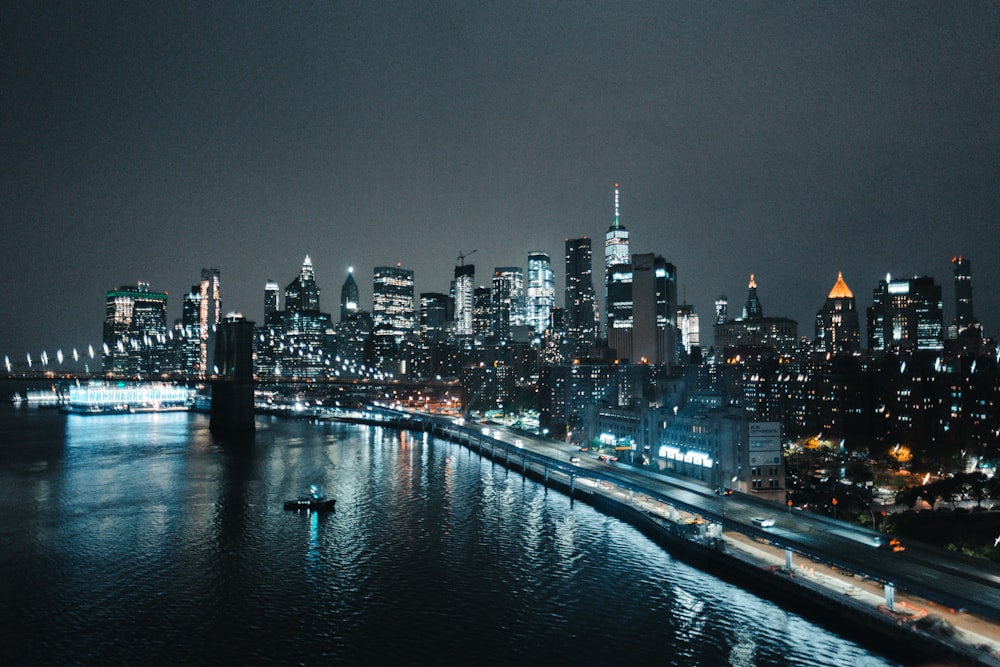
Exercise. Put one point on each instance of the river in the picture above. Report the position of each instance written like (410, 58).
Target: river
(141, 539)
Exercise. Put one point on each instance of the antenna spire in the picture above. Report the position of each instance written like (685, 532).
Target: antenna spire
(616, 206)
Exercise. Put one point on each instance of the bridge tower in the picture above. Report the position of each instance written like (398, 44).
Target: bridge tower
(232, 390)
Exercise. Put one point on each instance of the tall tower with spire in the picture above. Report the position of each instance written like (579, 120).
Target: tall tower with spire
(302, 294)
(752, 309)
(349, 298)
(837, 326)
(616, 248)
(618, 285)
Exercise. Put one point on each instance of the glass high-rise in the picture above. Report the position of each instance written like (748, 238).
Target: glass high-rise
(541, 291)
(514, 276)
(618, 285)
(464, 276)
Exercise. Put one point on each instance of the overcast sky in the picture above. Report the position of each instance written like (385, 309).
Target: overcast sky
(143, 141)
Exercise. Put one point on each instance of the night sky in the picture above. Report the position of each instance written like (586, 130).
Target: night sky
(143, 141)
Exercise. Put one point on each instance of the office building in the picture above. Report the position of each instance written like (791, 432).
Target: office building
(350, 301)
(837, 326)
(654, 311)
(272, 294)
(541, 291)
(393, 312)
(514, 275)
(581, 314)
(135, 331)
(906, 316)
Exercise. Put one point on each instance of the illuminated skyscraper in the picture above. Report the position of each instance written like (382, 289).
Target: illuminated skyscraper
(688, 324)
(500, 306)
(393, 312)
(515, 278)
(837, 327)
(721, 309)
(541, 291)
(905, 316)
(189, 354)
(618, 286)
(754, 330)
(482, 324)
(272, 293)
(581, 302)
(209, 317)
(616, 247)
(302, 294)
(296, 341)
(349, 297)
(752, 309)
(135, 329)
(464, 276)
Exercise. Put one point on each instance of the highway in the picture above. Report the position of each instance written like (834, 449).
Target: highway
(948, 579)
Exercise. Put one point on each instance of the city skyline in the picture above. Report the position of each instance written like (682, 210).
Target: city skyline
(786, 141)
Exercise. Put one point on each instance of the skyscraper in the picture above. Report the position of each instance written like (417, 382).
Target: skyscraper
(964, 317)
(393, 312)
(837, 327)
(482, 324)
(515, 277)
(616, 246)
(296, 341)
(302, 294)
(209, 317)
(433, 314)
(501, 305)
(690, 329)
(752, 309)
(721, 309)
(905, 316)
(464, 276)
(349, 298)
(654, 299)
(754, 330)
(618, 286)
(581, 302)
(135, 328)
(189, 353)
(272, 293)
(541, 291)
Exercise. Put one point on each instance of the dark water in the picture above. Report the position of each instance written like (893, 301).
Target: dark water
(139, 539)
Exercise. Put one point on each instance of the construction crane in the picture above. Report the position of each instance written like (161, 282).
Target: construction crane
(462, 256)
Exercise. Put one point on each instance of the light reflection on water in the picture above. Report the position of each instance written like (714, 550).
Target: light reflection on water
(143, 535)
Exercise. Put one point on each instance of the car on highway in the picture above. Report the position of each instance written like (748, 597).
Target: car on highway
(763, 522)
(574, 459)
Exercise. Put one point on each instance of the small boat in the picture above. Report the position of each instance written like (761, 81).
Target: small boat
(314, 501)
